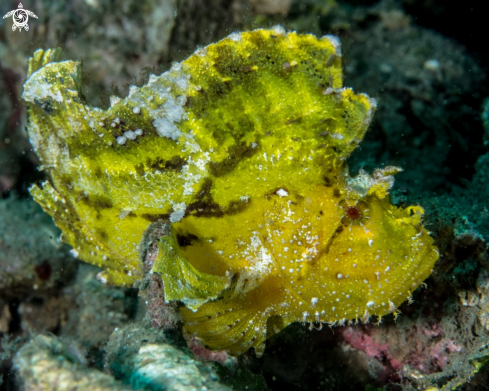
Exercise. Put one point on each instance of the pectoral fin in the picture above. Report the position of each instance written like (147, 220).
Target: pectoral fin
(181, 280)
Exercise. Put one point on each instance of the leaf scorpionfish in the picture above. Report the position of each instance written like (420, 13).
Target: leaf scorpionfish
(240, 150)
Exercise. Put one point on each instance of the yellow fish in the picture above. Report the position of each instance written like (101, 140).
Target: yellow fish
(238, 155)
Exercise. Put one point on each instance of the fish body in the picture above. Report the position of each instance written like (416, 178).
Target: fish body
(240, 150)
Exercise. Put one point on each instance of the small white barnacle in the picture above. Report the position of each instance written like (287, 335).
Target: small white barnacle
(124, 214)
(152, 79)
(136, 110)
(282, 193)
(132, 90)
(337, 136)
(305, 314)
(370, 303)
(114, 100)
(101, 277)
(335, 41)
(392, 306)
(314, 301)
(279, 29)
(365, 317)
(201, 52)
(339, 276)
(121, 140)
(175, 67)
(328, 91)
(236, 37)
(130, 135)
(181, 100)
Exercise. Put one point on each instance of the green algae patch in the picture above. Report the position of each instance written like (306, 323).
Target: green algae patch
(240, 150)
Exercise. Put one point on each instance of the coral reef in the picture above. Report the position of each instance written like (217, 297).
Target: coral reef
(31, 252)
(46, 364)
(97, 309)
(142, 359)
(232, 197)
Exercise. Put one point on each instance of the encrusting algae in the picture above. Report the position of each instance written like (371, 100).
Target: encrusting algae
(239, 154)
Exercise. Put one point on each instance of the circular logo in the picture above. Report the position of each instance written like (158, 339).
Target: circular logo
(20, 18)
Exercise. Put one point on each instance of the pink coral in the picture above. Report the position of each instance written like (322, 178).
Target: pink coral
(200, 351)
(422, 347)
(441, 351)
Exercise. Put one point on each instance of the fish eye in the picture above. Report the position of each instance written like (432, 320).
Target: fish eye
(355, 212)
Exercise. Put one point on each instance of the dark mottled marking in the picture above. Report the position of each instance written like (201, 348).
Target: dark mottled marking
(236, 154)
(328, 182)
(294, 121)
(205, 206)
(221, 89)
(338, 231)
(186, 240)
(336, 192)
(154, 217)
(174, 164)
(140, 169)
(46, 106)
(236, 207)
(66, 181)
(246, 68)
(98, 173)
(96, 201)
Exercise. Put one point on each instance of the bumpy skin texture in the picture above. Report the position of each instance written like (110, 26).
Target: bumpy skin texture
(239, 151)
